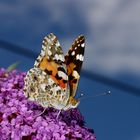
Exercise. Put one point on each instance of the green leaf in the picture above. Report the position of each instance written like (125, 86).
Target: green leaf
(13, 66)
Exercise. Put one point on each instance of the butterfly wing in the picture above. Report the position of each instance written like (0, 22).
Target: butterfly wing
(47, 82)
(74, 60)
(52, 61)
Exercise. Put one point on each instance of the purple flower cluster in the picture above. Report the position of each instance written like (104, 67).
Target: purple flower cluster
(19, 118)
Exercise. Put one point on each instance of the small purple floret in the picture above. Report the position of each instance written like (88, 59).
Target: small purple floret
(18, 119)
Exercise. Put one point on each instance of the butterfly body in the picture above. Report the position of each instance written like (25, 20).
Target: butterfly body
(53, 80)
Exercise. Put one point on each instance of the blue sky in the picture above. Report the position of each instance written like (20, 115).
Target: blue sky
(112, 30)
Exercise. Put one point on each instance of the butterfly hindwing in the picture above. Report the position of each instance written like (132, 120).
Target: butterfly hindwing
(47, 82)
(74, 60)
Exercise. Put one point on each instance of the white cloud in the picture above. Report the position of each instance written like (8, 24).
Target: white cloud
(114, 35)
(112, 28)
(137, 137)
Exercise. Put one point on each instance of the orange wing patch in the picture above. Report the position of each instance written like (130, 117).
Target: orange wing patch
(52, 69)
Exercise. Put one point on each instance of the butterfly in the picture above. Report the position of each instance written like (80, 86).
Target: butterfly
(53, 80)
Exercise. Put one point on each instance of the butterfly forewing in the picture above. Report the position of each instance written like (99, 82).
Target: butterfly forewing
(52, 61)
(74, 60)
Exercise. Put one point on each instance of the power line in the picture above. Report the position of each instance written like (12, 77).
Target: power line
(90, 75)
(112, 82)
(17, 49)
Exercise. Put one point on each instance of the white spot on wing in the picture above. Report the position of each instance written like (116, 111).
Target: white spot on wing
(59, 57)
(56, 56)
(83, 45)
(75, 74)
(57, 44)
(43, 47)
(36, 64)
(42, 53)
(82, 58)
(73, 53)
(50, 81)
(63, 75)
(55, 89)
(49, 53)
(39, 58)
(43, 86)
(79, 57)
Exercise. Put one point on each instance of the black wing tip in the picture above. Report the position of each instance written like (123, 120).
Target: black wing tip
(81, 37)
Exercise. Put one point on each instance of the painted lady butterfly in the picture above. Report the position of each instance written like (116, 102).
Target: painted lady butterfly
(53, 80)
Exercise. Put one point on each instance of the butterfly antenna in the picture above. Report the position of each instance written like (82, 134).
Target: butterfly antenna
(81, 97)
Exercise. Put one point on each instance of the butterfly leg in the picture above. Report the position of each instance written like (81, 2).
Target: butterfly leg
(58, 114)
(41, 113)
